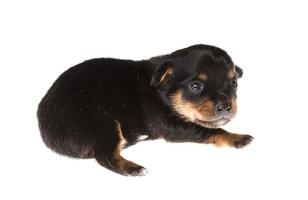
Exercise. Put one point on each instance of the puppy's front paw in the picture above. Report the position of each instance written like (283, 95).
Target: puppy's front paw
(230, 139)
(239, 141)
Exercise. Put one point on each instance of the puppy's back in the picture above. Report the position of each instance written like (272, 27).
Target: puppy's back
(80, 104)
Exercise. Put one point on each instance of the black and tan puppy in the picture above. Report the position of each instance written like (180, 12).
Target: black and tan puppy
(98, 107)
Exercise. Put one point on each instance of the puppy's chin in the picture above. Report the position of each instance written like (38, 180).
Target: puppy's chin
(213, 124)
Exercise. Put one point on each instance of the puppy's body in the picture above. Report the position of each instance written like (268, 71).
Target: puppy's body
(101, 106)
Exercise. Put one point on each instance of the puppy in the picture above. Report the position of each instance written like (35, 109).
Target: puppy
(100, 106)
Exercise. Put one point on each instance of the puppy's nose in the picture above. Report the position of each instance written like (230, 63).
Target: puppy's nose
(223, 107)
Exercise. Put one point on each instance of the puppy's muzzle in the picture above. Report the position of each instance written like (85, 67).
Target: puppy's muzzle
(223, 107)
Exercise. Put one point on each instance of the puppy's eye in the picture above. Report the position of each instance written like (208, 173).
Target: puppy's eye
(196, 86)
(234, 83)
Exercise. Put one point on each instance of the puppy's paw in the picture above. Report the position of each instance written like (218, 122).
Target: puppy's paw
(230, 140)
(239, 141)
(137, 171)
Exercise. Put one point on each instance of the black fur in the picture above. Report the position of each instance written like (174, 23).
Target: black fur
(82, 112)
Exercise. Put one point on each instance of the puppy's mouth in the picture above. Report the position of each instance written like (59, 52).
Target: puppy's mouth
(213, 124)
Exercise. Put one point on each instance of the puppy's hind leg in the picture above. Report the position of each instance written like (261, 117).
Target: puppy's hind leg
(120, 165)
(112, 159)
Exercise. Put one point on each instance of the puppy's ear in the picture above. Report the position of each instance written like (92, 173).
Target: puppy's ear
(162, 74)
(238, 71)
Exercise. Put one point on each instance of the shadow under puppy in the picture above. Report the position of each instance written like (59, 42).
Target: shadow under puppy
(100, 106)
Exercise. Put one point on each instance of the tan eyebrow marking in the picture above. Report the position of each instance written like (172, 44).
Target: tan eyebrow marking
(231, 73)
(202, 76)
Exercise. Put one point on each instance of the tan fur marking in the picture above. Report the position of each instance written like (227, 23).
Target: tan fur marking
(219, 140)
(167, 73)
(122, 143)
(186, 109)
(207, 109)
(202, 76)
(190, 111)
(122, 163)
(231, 73)
(203, 114)
(233, 110)
(223, 140)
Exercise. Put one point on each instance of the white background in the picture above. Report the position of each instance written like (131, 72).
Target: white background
(41, 39)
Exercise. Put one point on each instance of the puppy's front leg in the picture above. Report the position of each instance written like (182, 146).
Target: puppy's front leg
(198, 134)
(220, 137)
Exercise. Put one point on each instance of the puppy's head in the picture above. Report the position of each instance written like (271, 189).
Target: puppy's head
(199, 84)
